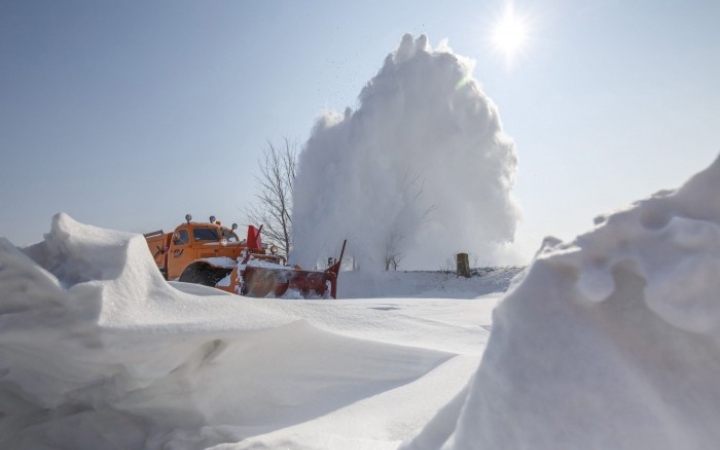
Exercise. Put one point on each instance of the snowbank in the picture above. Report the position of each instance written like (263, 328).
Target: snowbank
(609, 342)
(98, 351)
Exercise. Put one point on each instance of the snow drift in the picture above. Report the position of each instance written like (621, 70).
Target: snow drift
(98, 351)
(609, 342)
(420, 171)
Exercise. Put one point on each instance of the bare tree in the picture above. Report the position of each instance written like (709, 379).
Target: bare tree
(273, 207)
(393, 248)
(411, 188)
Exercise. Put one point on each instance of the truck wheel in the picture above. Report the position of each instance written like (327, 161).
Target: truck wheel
(203, 274)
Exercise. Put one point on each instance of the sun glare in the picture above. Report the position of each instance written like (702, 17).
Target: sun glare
(509, 33)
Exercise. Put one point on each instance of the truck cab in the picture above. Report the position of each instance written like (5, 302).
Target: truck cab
(204, 252)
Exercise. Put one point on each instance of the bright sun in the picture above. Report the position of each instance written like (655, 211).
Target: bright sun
(509, 33)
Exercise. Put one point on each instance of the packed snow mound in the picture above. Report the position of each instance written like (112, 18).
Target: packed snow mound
(421, 170)
(611, 341)
(98, 351)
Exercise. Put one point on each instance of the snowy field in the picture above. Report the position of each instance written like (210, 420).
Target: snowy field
(98, 351)
(609, 341)
(606, 342)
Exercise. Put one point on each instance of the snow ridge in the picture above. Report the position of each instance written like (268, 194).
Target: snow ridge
(610, 341)
(98, 351)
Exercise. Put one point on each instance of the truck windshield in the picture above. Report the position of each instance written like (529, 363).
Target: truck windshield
(205, 234)
(212, 234)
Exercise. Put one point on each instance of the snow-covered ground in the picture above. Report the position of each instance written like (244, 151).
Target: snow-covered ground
(606, 342)
(98, 351)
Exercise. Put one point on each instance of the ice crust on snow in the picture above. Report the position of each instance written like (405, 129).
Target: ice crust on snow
(611, 341)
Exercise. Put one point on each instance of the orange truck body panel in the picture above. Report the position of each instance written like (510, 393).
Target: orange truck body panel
(213, 255)
(193, 241)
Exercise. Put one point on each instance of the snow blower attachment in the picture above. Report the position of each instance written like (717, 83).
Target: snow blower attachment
(212, 255)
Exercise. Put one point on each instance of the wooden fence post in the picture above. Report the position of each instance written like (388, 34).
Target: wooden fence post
(463, 265)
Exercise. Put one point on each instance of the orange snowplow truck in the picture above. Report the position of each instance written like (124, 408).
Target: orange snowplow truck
(210, 254)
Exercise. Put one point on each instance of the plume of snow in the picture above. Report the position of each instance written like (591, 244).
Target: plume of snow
(422, 169)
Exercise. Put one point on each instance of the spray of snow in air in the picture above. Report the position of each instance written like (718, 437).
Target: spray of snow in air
(419, 171)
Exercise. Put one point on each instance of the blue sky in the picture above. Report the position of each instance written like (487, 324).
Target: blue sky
(128, 115)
